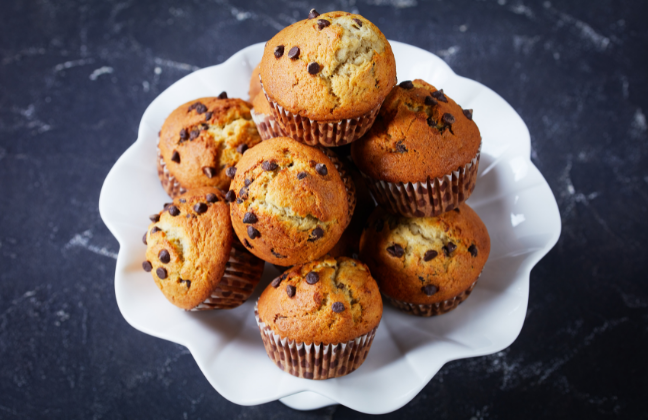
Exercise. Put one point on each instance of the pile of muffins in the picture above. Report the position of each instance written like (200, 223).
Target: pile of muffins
(289, 179)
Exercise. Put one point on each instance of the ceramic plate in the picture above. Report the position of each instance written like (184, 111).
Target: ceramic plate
(511, 197)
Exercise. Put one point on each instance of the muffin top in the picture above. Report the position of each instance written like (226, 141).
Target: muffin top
(324, 301)
(420, 133)
(255, 83)
(290, 203)
(330, 67)
(204, 137)
(188, 245)
(425, 260)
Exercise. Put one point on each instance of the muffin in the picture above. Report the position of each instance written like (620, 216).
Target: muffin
(318, 320)
(325, 77)
(194, 256)
(290, 202)
(426, 265)
(264, 118)
(255, 83)
(422, 153)
(200, 140)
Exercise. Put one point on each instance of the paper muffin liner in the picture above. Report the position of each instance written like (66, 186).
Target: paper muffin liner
(427, 198)
(169, 182)
(433, 308)
(266, 125)
(242, 273)
(314, 361)
(326, 133)
(346, 178)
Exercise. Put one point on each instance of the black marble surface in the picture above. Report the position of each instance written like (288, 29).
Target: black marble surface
(75, 78)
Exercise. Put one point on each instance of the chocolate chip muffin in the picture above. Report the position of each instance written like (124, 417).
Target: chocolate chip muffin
(264, 118)
(318, 320)
(194, 256)
(426, 265)
(326, 77)
(290, 203)
(422, 153)
(255, 83)
(201, 139)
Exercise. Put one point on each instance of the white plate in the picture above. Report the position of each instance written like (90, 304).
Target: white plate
(511, 197)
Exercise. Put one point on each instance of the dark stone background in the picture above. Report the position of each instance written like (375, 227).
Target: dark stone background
(75, 78)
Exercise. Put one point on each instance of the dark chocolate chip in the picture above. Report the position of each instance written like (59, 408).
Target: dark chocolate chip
(175, 157)
(155, 229)
(211, 198)
(380, 224)
(147, 266)
(321, 169)
(247, 244)
(358, 21)
(430, 255)
(200, 208)
(313, 14)
(204, 126)
(468, 113)
(431, 122)
(182, 200)
(253, 233)
(302, 175)
(312, 277)
(208, 116)
(269, 165)
(231, 172)
(166, 205)
(174, 211)
(186, 282)
(337, 307)
(293, 53)
(322, 23)
(194, 134)
(473, 250)
(193, 106)
(396, 251)
(407, 84)
(239, 200)
(317, 233)
(457, 209)
(438, 95)
(430, 101)
(154, 218)
(250, 218)
(184, 134)
(201, 109)
(400, 147)
(290, 290)
(449, 248)
(209, 171)
(279, 50)
(247, 182)
(144, 239)
(313, 68)
(164, 256)
(276, 254)
(230, 196)
(222, 95)
(429, 290)
(448, 118)
(161, 272)
(243, 193)
(242, 148)
(277, 281)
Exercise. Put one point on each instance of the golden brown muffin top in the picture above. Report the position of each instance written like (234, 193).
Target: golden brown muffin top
(188, 245)
(425, 260)
(255, 83)
(204, 137)
(324, 301)
(335, 66)
(420, 133)
(291, 202)
(261, 105)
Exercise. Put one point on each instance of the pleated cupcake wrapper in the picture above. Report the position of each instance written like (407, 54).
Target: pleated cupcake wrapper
(428, 198)
(346, 179)
(242, 274)
(327, 133)
(169, 182)
(314, 361)
(433, 308)
(266, 125)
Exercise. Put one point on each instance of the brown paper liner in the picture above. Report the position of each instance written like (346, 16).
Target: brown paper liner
(314, 361)
(169, 183)
(432, 309)
(428, 198)
(266, 125)
(242, 273)
(327, 133)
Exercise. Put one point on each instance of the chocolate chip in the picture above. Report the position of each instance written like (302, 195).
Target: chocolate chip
(209, 171)
(269, 165)
(429, 290)
(253, 233)
(321, 169)
(166, 205)
(204, 126)
(313, 14)
(358, 21)
(243, 193)
(317, 233)
(184, 134)
(222, 95)
(438, 94)
(161, 272)
(431, 122)
(144, 239)
(337, 307)
(247, 182)
(302, 175)
(201, 109)
(313, 68)
(154, 218)
(473, 250)
(155, 229)
(276, 254)
(173, 211)
(194, 134)
(322, 23)
(448, 118)
(449, 248)
(200, 208)
(208, 116)
(239, 201)
(231, 172)
(247, 244)
(279, 50)
(468, 113)
(293, 53)
(147, 266)
(396, 251)
(380, 224)
(290, 290)
(400, 147)
(242, 148)
(407, 85)
(312, 277)
(277, 281)
(186, 282)
(164, 256)
(250, 218)
(230, 196)
(194, 106)
(211, 198)
(175, 157)
(430, 101)
(430, 255)
(457, 210)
